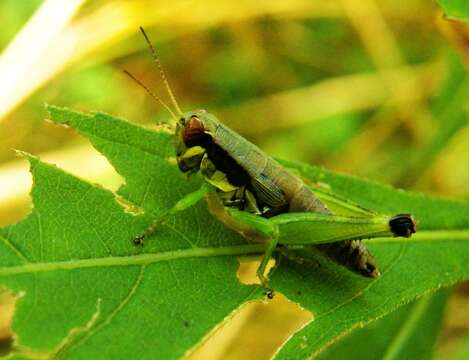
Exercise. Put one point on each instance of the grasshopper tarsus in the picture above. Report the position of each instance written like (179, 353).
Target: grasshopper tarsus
(269, 292)
(138, 240)
(151, 229)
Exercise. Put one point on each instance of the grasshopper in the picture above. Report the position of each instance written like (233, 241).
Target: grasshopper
(255, 195)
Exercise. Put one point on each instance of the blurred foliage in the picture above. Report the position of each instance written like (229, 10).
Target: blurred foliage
(408, 333)
(384, 98)
(13, 16)
(457, 9)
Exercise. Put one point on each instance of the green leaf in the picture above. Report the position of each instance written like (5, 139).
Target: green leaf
(75, 268)
(432, 258)
(408, 333)
(455, 9)
(450, 117)
(73, 263)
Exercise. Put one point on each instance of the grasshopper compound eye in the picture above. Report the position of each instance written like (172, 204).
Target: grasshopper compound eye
(194, 132)
(402, 225)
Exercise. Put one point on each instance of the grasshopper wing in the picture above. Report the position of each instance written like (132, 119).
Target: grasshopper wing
(269, 194)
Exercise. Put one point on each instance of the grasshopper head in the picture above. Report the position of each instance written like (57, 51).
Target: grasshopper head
(192, 137)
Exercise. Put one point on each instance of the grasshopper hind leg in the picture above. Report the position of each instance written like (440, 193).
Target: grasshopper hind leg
(272, 245)
(402, 225)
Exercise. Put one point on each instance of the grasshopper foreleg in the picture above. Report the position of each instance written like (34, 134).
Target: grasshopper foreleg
(186, 202)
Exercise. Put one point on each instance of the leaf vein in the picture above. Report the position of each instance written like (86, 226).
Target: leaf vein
(17, 251)
(142, 259)
(133, 290)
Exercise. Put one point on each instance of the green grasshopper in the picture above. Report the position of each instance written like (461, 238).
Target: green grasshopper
(255, 195)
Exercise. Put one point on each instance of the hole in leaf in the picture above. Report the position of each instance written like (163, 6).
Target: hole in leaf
(7, 309)
(247, 269)
(256, 331)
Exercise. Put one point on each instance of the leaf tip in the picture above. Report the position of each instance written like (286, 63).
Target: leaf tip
(51, 108)
(27, 156)
(23, 154)
(59, 115)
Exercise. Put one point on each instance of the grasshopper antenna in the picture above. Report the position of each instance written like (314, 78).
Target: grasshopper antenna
(151, 94)
(160, 68)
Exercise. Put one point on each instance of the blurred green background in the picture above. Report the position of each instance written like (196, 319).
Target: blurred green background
(377, 89)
